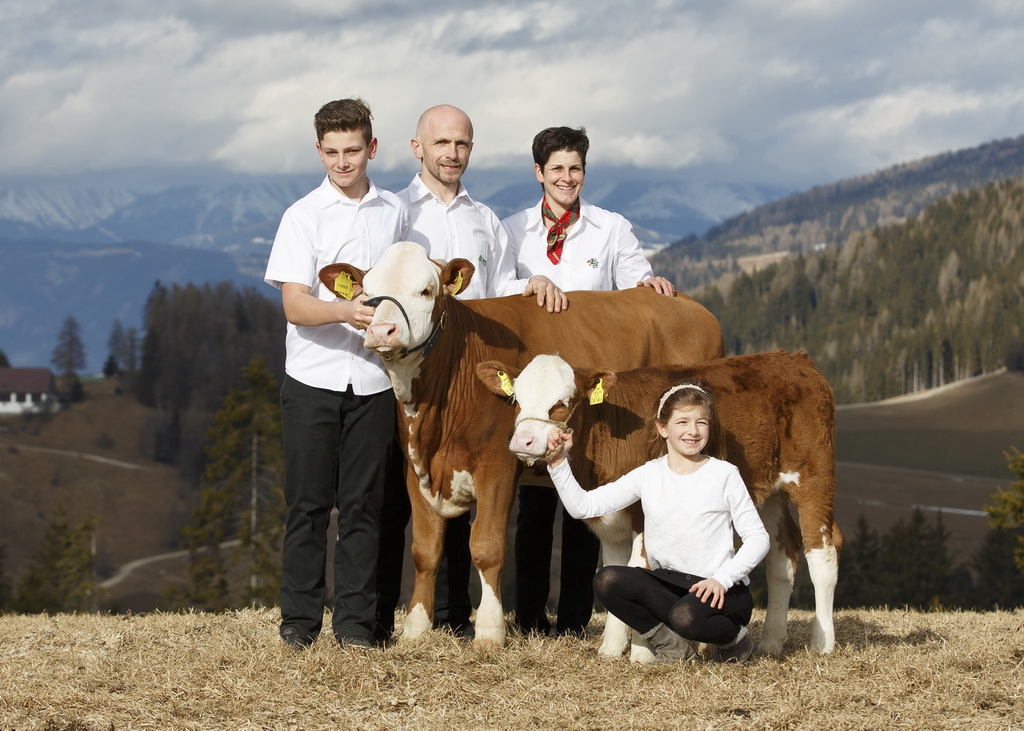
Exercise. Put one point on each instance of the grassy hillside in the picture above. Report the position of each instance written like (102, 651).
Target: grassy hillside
(944, 450)
(89, 459)
(890, 670)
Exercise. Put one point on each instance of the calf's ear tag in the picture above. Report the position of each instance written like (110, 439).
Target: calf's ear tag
(506, 382)
(343, 285)
(457, 287)
(597, 395)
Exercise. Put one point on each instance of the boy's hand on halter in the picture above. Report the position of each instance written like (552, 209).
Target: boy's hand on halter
(559, 444)
(710, 589)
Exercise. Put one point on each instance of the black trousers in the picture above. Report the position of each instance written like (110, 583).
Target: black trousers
(452, 604)
(643, 598)
(580, 552)
(335, 446)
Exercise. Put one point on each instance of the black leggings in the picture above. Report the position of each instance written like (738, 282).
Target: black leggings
(643, 598)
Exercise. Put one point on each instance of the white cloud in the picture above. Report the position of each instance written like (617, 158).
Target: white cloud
(808, 91)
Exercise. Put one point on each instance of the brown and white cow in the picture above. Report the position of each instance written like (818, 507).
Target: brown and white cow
(778, 413)
(453, 431)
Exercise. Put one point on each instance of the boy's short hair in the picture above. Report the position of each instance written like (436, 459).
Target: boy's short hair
(553, 139)
(344, 115)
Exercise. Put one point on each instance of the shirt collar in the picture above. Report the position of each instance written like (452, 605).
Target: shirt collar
(328, 195)
(536, 221)
(419, 191)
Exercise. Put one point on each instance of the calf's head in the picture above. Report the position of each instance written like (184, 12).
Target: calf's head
(547, 392)
(408, 289)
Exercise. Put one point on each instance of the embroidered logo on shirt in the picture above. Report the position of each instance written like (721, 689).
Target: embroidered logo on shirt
(480, 259)
(592, 262)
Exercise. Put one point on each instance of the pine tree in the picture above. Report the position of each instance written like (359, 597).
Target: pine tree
(69, 353)
(1007, 511)
(998, 580)
(60, 577)
(242, 498)
(6, 590)
(860, 562)
(914, 564)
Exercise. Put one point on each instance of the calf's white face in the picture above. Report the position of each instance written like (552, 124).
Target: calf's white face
(546, 385)
(407, 274)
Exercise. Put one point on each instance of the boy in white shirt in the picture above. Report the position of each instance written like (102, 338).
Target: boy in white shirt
(337, 405)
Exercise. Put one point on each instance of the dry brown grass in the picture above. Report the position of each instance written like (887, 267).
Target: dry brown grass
(891, 669)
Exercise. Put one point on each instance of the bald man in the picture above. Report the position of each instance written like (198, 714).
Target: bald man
(449, 224)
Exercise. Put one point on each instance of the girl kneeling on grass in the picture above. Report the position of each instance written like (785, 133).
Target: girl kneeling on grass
(696, 589)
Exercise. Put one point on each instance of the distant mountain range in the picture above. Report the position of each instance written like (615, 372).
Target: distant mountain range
(827, 215)
(93, 247)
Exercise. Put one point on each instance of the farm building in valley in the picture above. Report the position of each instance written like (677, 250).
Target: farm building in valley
(27, 391)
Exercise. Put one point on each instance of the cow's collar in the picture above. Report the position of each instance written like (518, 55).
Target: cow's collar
(427, 345)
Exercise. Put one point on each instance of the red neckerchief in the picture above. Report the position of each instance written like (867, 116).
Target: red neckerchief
(557, 233)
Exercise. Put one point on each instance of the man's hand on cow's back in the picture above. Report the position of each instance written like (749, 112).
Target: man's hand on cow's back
(548, 294)
(659, 284)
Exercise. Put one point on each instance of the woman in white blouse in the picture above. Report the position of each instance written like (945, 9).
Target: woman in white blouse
(578, 246)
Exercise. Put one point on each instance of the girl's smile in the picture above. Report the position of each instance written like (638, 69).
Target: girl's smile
(686, 435)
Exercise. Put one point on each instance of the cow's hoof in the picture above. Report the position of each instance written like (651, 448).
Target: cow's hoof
(614, 649)
(770, 647)
(488, 643)
(417, 622)
(641, 655)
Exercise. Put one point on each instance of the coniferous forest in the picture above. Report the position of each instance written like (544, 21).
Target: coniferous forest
(894, 310)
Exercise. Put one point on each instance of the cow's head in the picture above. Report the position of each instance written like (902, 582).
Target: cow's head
(407, 288)
(547, 392)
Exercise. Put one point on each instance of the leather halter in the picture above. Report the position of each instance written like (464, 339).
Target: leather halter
(427, 345)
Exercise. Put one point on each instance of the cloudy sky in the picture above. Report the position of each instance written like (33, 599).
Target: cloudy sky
(794, 92)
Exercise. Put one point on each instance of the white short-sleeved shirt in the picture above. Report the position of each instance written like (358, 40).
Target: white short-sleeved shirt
(688, 519)
(601, 251)
(464, 229)
(325, 228)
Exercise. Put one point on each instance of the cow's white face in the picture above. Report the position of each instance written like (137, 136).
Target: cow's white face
(545, 392)
(407, 274)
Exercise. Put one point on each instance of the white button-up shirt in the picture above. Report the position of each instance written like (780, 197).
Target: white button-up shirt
(463, 229)
(324, 228)
(601, 252)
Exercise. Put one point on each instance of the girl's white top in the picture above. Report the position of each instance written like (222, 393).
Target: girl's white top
(688, 519)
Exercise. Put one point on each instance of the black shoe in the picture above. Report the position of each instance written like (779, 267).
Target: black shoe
(383, 637)
(295, 638)
(364, 643)
(572, 631)
(534, 625)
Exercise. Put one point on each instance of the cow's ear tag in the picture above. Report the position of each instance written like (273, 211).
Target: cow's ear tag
(343, 285)
(457, 287)
(506, 382)
(597, 395)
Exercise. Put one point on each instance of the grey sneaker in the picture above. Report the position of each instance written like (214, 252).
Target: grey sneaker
(737, 651)
(668, 646)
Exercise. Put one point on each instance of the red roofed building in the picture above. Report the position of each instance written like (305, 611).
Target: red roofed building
(27, 391)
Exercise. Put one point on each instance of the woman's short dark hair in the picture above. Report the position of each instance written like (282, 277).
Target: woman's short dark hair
(553, 139)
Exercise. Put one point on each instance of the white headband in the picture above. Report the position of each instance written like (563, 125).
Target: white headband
(661, 404)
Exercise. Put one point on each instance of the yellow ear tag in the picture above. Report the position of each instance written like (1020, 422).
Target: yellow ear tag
(506, 383)
(458, 288)
(597, 395)
(343, 285)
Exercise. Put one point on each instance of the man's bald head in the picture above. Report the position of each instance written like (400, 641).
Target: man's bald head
(443, 115)
(443, 143)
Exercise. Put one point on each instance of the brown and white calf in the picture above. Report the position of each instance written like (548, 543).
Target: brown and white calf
(453, 431)
(778, 414)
